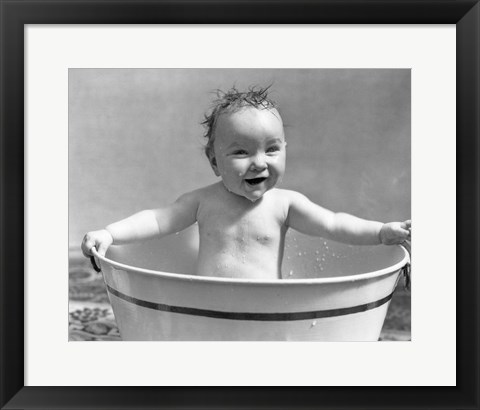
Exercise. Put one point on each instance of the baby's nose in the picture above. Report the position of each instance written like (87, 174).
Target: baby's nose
(259, 162)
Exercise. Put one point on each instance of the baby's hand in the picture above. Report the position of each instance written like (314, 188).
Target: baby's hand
(101, 240)
(394, 233)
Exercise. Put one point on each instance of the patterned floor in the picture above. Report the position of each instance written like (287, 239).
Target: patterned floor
(90, 313)
(91, 317)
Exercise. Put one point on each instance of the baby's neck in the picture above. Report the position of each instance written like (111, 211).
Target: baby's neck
(243, 200)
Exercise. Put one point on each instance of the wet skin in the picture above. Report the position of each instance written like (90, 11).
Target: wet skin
(240, 238)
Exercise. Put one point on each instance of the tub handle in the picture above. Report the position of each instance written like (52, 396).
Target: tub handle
(407, 268)
(96, 268)
(406, 276)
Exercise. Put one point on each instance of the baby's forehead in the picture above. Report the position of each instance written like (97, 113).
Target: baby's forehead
(251, 124)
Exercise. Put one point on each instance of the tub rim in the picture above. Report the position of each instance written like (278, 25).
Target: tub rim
(248, 281)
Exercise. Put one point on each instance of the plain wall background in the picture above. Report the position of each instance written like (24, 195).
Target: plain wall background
(135, 139)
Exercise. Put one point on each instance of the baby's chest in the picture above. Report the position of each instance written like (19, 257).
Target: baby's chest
(258, 225)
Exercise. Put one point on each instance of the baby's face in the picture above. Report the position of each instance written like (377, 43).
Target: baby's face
(249, 149)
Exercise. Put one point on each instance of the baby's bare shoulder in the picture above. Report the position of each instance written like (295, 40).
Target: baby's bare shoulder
(209, 191)
(205, 195)
(291, 201)
(282, 199)
(288, 196)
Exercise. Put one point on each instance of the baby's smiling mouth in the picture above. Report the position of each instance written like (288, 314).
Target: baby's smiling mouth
(255, 181)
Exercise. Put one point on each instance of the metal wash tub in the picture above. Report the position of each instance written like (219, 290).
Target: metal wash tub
(339, 295)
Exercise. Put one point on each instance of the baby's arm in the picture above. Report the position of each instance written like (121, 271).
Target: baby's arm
(144, 225)
(311, 219)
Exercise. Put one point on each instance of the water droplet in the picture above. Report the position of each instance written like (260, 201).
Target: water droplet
(333, 254)
(304, 253)
(324, 243)
(317, 252)
(288, 257)
(290, 273)
(299, 253)
(314, 323)
(326, 247)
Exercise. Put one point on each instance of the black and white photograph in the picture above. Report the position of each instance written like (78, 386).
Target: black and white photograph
(239, 204)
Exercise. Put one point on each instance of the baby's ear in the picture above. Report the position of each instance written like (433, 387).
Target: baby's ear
(213, 163)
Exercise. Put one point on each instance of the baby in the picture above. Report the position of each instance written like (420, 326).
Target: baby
(243, 218)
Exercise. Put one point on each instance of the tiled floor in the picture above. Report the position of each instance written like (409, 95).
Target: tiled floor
(91, 317)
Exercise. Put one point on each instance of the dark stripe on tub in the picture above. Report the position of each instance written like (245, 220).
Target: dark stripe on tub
(274, 317)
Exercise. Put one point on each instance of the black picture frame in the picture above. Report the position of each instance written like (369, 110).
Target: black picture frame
(465, 14)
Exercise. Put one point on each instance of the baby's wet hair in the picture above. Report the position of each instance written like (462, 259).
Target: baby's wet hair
(232, 101)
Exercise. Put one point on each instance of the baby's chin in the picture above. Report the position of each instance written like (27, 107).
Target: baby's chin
(252, 196)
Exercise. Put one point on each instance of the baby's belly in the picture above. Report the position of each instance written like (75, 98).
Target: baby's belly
(261, 263)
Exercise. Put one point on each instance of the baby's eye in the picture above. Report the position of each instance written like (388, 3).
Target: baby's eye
(275, 148)
(239, 152)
